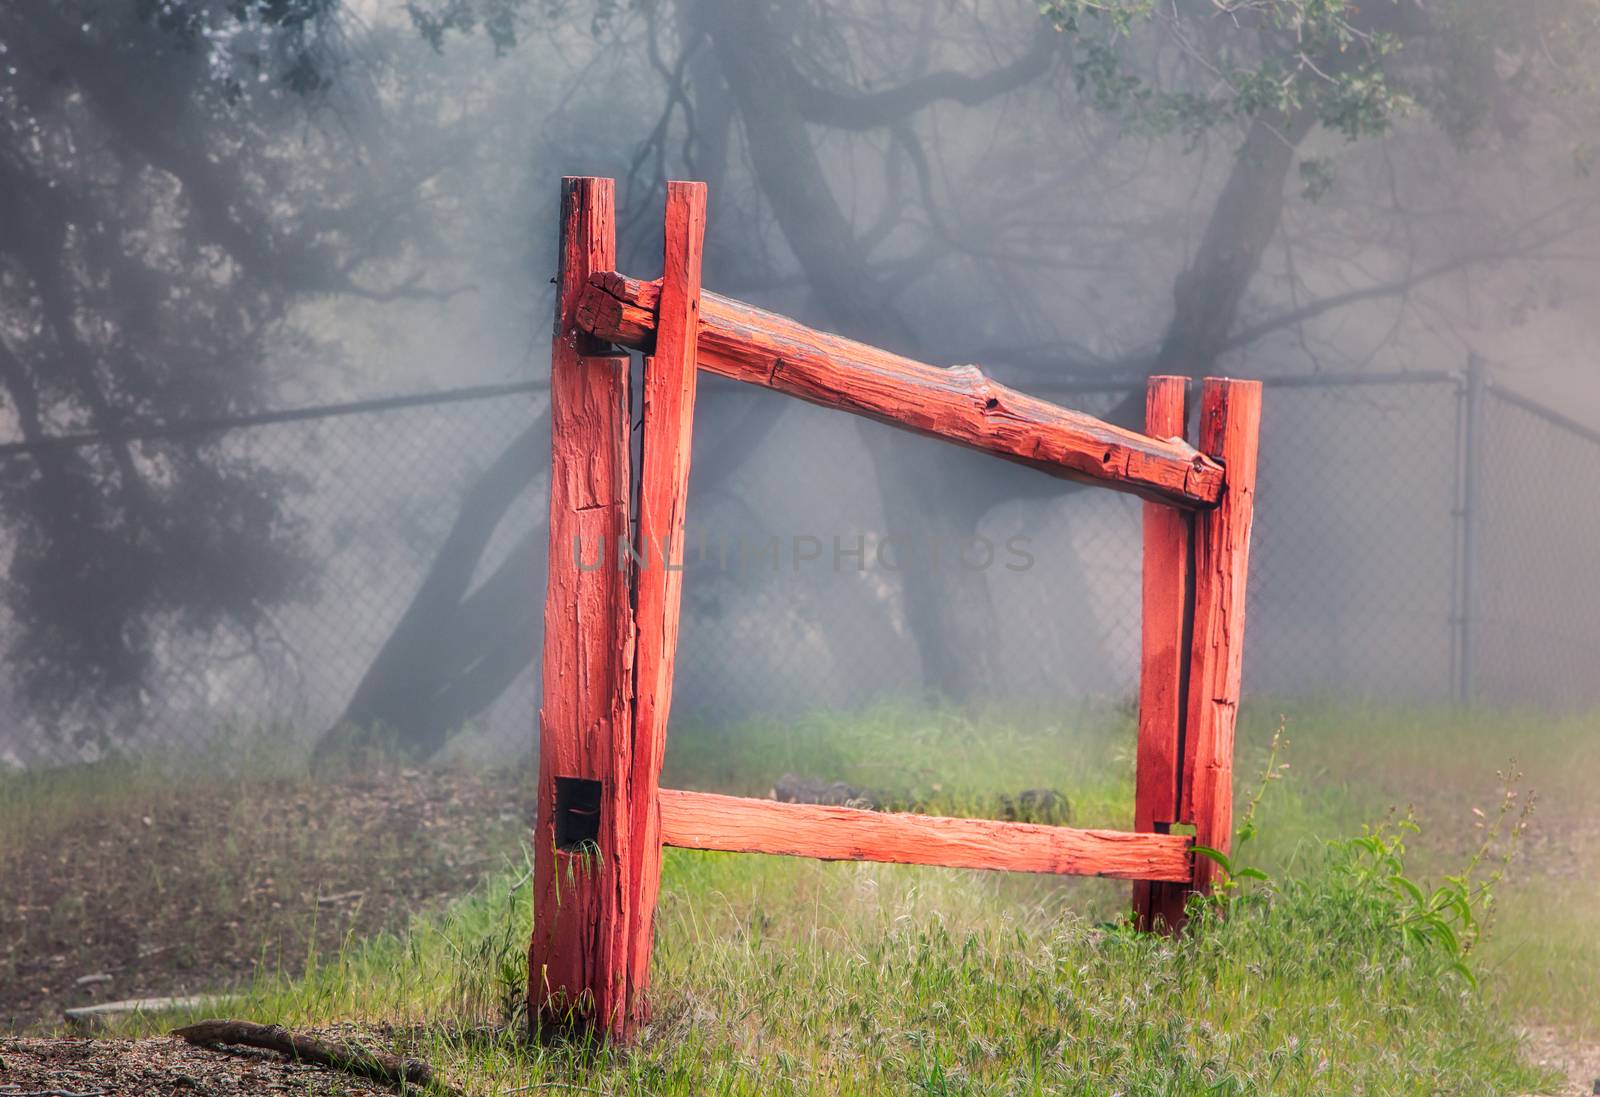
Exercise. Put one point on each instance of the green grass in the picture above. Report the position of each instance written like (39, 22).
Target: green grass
(941, 761)
(1354, 764)
(777, 976)
(781, 977)
(35, 805)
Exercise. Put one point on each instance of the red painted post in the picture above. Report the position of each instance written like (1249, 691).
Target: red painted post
(1164, 632)
(1230, 423)
(582, 830)
(669, 388)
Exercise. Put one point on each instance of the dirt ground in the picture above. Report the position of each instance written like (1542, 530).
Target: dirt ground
(1579, 1062)
(160, 1067)
(168, 1067)
(184, 892)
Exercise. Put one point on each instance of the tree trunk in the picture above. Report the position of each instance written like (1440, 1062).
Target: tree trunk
(1206, 297)
(457, 649)
(400, 698)
(952, 622)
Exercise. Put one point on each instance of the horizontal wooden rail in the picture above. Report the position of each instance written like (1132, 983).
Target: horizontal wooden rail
(704, 820)
(958, 404)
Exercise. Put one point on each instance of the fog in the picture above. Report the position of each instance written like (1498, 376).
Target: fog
(217, 211)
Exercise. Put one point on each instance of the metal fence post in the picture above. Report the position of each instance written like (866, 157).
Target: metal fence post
(1466, 609)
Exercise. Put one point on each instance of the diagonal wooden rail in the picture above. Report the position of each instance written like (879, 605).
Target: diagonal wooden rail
(959, 404)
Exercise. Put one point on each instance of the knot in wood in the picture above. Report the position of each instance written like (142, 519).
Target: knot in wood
(978, 382)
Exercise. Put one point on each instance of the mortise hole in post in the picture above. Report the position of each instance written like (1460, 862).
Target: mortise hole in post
(577, 814)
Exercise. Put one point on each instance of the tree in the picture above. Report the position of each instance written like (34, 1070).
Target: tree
(922, 173)
(160, 224)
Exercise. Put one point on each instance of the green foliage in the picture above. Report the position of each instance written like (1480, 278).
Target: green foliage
(497, 18)
(251, 40)
(171, 210)
(1354, 67)
(1370, 874)
(1367, 881)
(1269, 60)
(501, 20)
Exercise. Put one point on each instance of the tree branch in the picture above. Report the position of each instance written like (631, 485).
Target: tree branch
(1394, 288)
(871, 110)
(342, 1055)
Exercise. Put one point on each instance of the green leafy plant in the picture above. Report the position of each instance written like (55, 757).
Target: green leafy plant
(1271, 59)
(1371, 887)
(1449, 919)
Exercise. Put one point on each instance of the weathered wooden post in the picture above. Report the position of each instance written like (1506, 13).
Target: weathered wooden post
(1230, 426)
(1164, 642)
(611, 628)
(585, 724)
(669, 387)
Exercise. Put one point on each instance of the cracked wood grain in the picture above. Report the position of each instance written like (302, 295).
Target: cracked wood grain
(959, 404)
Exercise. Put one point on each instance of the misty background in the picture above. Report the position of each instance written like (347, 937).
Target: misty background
(274, 323)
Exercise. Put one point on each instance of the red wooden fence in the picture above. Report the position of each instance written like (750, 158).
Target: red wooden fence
(611, 633)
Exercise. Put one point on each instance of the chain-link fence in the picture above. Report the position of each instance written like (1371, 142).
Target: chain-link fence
(1418, 537)
(370, 492)
(1533, 602)
(1354, 587)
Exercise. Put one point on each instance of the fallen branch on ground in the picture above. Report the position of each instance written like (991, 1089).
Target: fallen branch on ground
(340, 1055)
